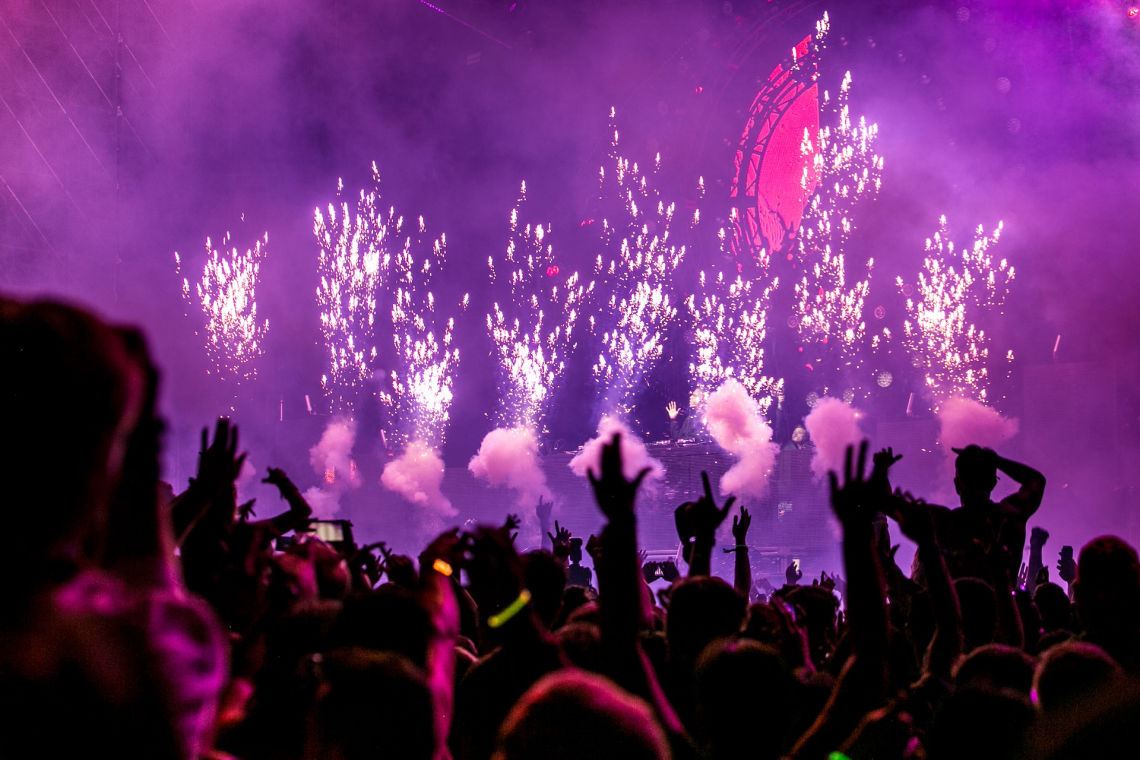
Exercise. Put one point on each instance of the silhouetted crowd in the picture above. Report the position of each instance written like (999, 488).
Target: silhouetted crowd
(144, 622)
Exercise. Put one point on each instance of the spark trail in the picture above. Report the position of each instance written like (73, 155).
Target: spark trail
(531, 324)
(941, 337)
(419, 395)
(226, 293)
(829, 300)
(730, 323)
(633, 272)
(354, 255)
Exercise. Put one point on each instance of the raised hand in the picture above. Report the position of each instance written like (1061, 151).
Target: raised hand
(245, 511)
(699, 519)
(511, 526)
(853, 501)
(740, 526)
(672, 410)
(834, 582)
(560, 536)
(299, 509)
(1038, 536)
(614, 493)
(881, 464)
(219, 462)
(542, 510)
(560, 541)
(277, 477)
(1066, 565)
(793, 573)
(884, 459)
(649, 571)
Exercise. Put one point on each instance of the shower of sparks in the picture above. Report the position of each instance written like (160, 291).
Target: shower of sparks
(532, 327)
(830, 309)
(829, 305)
(419, 397)
(634, 276)
(944, 344)
(227, 296)
(730, 322)
(354, 255)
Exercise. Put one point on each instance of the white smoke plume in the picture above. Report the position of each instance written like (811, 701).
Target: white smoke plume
(509, 457)
(833, 425)
(332, 461)
(331, 458)
(417, 475)
(634, 456)
(734, 420)
(964, 421)
(325, 503)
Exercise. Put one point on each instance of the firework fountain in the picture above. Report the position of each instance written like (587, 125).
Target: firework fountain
(533, 326)
(419, 396)
(227, 295)
(354, 245)
(633, 275)
(368, 254)
(532, 329)
(419, 392)
(829, 301)
(944, 342)
(730, 325)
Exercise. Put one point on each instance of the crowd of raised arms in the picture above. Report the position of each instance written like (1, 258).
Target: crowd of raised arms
(144, 622)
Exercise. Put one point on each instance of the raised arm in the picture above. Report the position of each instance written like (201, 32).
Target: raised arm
(1037, 539)
(542, 512)
(862, 684)
(299, 510)
(619, 585)
(1032, 482)
(742, 569)
(438, 563)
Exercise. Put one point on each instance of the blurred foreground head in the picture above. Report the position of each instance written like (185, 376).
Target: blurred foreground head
(72, 390)
(572, 714)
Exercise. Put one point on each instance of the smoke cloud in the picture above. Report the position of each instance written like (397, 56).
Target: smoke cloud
(509, 457)
(417, 475)
(325, 503)
(634, 456)
(833, 425)
(331, 460)
(964, 421)
(733, 418)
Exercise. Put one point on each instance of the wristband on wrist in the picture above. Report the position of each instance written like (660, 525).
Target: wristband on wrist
(498, 620)
(442, 566)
